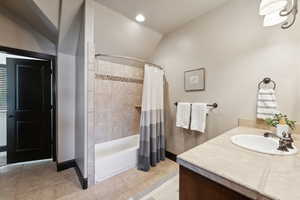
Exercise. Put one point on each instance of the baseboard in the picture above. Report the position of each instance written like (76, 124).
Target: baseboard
(3, 148)
(171, 156)
(65, 165)
(72, 164)
(83, 181)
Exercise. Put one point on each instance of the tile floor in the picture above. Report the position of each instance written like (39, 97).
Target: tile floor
(40, 181)
(167, 191)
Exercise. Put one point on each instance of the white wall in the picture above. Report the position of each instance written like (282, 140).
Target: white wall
(116, 34)
(80, 113)
(70, 24)
(85, 55)
(65, 106)
(90, 107)
(17, 34)
(237, 52)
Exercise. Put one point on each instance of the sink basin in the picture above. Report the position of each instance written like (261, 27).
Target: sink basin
(261, 144)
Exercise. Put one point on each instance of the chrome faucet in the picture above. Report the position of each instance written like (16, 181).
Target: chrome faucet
(285, 143)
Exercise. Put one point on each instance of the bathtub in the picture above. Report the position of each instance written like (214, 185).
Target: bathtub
(114, 157)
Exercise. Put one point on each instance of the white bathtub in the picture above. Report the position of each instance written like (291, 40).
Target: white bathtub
(114, 157)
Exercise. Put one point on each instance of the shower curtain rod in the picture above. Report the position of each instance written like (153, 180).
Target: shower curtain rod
(129, 58)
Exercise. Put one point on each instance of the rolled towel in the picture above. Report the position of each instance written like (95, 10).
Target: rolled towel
(183, 115)
(199, 114)
(266, 104)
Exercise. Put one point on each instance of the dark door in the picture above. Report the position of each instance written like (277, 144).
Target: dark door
(29, 110)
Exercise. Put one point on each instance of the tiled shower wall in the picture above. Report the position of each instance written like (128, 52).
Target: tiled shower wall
(118, 95)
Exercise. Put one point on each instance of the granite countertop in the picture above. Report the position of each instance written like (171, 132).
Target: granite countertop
(255, 175)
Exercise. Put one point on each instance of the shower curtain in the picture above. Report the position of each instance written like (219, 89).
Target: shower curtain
(152, 136)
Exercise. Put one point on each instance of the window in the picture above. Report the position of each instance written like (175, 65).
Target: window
(3, 88)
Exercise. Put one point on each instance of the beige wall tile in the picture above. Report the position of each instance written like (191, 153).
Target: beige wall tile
(91, 126)
(115, 113)
(91, 81)
(104, 68)
(103, 87)
(91, 102)
(116, 69)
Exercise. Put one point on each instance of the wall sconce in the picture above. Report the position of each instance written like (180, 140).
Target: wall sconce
(279, 12)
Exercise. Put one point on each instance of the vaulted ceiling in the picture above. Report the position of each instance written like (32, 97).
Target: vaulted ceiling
(28, 11)
(163, 16)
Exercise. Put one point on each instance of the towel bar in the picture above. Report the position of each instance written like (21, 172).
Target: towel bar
(214, 105)
(267, 81)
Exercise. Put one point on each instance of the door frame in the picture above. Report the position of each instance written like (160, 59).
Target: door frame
(52, 59)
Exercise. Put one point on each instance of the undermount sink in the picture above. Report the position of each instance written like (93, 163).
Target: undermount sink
(261, 144)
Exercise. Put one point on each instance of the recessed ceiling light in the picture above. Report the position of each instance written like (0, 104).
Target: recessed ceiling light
(140, 18)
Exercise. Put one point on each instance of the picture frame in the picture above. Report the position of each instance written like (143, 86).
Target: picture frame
(194, 80)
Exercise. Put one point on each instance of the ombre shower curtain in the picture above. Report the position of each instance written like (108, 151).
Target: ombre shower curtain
(152, 136)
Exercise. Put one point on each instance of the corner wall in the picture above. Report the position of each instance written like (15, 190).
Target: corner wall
(69, 35)
(237, 52)
(76, 41)
(65, 106)
(90, 66)
(80, 99)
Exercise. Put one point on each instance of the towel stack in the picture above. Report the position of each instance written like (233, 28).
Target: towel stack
(192, 116)
(183, 116)
(199, 113)
(266, 104)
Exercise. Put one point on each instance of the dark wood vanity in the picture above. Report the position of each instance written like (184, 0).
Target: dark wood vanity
(220, 170)
(196, 187)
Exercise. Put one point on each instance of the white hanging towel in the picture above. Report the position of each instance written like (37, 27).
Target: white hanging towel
(183, 115)
(266, 104)
(199, 113)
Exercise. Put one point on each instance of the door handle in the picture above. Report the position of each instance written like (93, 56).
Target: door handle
(11, 116)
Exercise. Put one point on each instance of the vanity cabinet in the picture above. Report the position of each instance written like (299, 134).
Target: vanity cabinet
(193, 186)
(220, 170)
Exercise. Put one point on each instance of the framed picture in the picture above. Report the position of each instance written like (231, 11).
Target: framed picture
(194, 80)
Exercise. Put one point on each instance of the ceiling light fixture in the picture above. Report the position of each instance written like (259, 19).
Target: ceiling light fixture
(140, 18)
(279, 12)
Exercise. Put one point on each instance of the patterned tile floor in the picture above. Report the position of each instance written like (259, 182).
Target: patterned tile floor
(40, 181)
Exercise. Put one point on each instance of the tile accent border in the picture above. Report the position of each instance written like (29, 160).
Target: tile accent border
(118, 78)
(72, 164)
